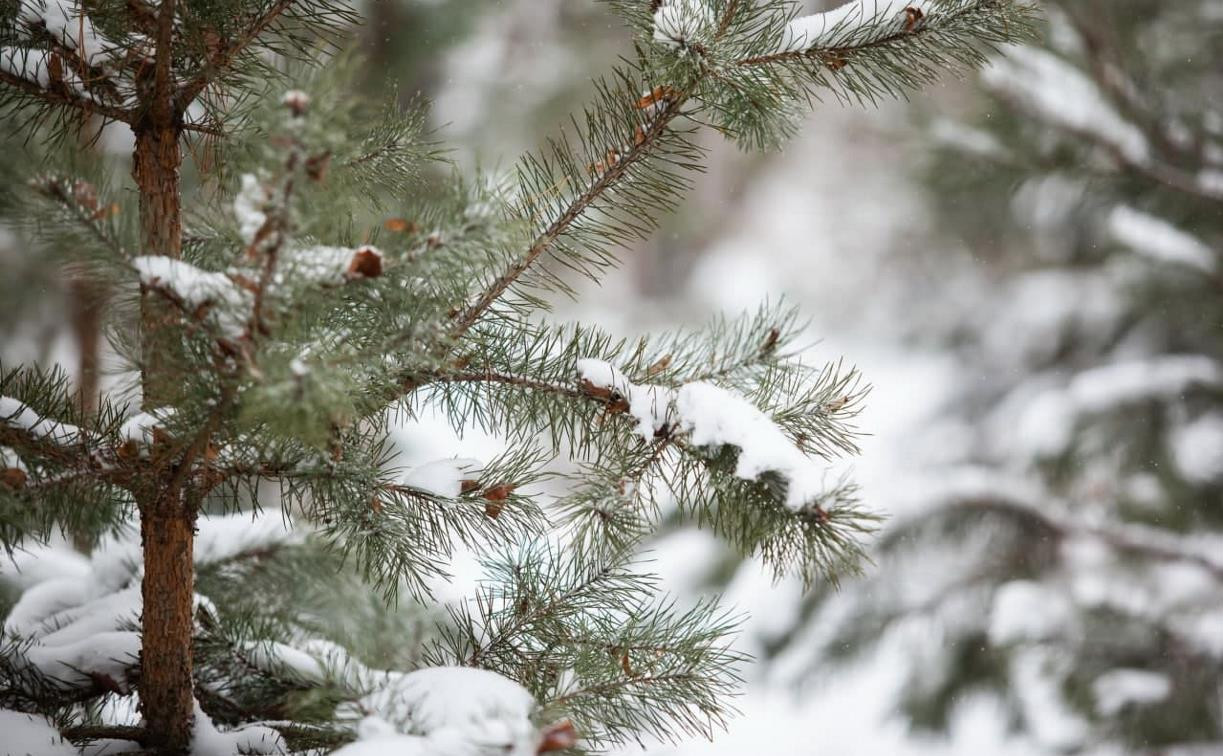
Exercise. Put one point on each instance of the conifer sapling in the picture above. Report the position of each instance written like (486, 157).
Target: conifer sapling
(316, 277)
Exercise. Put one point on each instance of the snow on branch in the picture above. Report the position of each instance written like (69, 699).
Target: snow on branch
(32, 734)
(710, 416)
(64, 60)
(200, 293)
(856, 22)
(225, 300)
(16, 414)
(1052, 89)
(447, 478)
(1160, 240)
(208, 740)
(78, 632)
(68, 25)
(434, 710)
(450, 706)
(1046, 422)
(1019, 499)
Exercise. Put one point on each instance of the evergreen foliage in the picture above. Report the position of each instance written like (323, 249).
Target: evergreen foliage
(1079, 546)
(320, 281)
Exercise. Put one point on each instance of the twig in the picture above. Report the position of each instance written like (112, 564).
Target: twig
(606, 180)
(87, 105)
(224, 59)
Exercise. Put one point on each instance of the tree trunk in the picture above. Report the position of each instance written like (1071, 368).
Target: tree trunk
(166, 700)
(167, 519)
(86, 302)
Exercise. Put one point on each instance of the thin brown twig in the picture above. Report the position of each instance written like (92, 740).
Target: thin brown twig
(224, 59)
(86, 105)
(606, 180)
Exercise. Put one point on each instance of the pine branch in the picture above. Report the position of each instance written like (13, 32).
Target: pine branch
(223, 60)
(1148, 543)
(66, 98)
(517, 381)
(868, 57)
(81, 458)
(643, 146)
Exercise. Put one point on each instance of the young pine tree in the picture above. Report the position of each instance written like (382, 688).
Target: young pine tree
(308, 277)
(1088, 185)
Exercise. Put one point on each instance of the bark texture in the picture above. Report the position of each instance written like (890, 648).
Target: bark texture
(167, 513)
(167, 529)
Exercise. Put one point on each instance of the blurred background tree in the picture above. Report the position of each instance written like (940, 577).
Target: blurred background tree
(1068, 561)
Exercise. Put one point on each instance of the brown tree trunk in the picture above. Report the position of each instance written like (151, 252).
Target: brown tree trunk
(87, 299)
(166, 701)
(85, 314)
(167, 521)
(167, 518)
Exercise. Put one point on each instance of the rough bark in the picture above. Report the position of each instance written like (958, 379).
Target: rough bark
(167, 518)
(167, 529)
(167, 522)
(86, 302)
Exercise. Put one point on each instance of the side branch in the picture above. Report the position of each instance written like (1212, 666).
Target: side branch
(65, 98)
(833, 57)
(99, 464)
(224, 59)
(1128, 539)
(606, 180)
(519, 381)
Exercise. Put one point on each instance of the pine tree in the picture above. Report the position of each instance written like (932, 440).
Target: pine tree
(1080, 539)
(311, 274)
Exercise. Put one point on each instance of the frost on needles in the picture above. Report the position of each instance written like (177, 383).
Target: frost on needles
(259, 570)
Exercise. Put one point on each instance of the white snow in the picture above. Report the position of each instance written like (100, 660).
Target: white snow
(196, 287)
(17, 414)
(1056, 91)
(1211, 181)
(1197, 448)
(967, 139)
(436, 698)
(84, 623)
(1118, 688)
(678, 21)
(32, 564)
(249, 204)
(323, 264)
(1047, 420)
(30, 65)
(1202, 630)
(70, 26)
(847, 23)
(714, 416)
(30, 735)
(649, 405)
(139, 428)
(1028, 611)
(225, 537)
(604, 375)
(372, 743)
(1159, 240)
(207, 740)
(1035, 672)
(295, 98)
(44, 600)
(442, 477)
(459, 710)
(9, 460)
(110, 655)
(282, 659)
